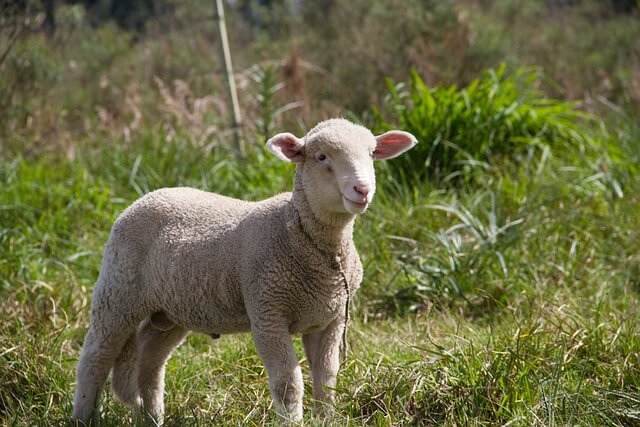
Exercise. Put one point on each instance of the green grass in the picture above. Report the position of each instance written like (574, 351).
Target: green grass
(502, 255)
(512, 301)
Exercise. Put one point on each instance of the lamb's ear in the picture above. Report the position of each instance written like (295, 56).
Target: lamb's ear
(287, 147)
(393, 143)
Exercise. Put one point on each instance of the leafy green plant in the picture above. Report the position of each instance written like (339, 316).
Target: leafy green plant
(453, 268)
(493, 118)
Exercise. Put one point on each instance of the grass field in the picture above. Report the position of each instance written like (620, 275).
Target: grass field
(501, 255)
(514, 301)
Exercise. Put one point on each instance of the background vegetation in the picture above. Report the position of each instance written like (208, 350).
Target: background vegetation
(502, 256)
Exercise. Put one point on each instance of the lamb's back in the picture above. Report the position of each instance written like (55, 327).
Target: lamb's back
(183, 210)
(173, 229)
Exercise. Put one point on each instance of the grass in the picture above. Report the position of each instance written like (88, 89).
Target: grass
(502, 266)
(511, 302)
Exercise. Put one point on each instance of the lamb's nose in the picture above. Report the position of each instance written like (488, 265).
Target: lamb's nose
(362, 190)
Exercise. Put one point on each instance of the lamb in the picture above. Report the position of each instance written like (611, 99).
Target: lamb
(181, 259)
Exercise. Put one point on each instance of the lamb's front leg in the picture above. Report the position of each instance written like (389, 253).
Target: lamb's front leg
(323, 351)
(285, 377)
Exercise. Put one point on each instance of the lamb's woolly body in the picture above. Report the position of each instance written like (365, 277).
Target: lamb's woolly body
(181, 259)
(205, 256)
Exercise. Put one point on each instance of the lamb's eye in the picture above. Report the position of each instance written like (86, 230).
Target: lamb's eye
(321, 157)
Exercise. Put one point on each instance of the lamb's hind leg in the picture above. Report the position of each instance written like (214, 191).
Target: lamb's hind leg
(124, 379)
(124, 375)
(115, 315)
(102, 345)
(154, 349)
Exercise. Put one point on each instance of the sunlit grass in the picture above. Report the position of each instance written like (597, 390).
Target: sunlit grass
(512, 301)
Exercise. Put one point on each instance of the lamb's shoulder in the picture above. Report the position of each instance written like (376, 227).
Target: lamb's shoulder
(329, 282)
(262, 240)
(300, 294)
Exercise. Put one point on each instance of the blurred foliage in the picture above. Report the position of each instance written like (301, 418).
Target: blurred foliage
(29, 74)
(129, 14)
(317, 59)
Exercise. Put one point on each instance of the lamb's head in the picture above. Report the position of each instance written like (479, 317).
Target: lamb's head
(335, 163)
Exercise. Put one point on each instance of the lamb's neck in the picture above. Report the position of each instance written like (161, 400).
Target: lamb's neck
(330, 232)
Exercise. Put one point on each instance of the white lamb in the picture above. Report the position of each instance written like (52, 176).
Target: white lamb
(181, 259)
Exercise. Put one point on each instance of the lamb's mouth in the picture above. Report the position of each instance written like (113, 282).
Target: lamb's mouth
(355, 206)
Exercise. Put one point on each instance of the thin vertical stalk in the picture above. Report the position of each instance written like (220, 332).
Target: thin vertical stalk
(225, 55)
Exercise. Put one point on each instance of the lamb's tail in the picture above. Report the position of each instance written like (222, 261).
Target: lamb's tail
(124, 381)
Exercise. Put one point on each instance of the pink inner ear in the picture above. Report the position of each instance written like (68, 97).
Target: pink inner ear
(290, 149)
(287, 147)
(393, 143)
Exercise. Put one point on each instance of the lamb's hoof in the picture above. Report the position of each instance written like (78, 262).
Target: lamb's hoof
(323, 409)
(290, 415)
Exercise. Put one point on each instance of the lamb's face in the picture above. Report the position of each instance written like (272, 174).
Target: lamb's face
(337, 163)
(338, 173)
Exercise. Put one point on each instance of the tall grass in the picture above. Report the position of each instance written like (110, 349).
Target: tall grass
(501, 254)
(516, 303)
